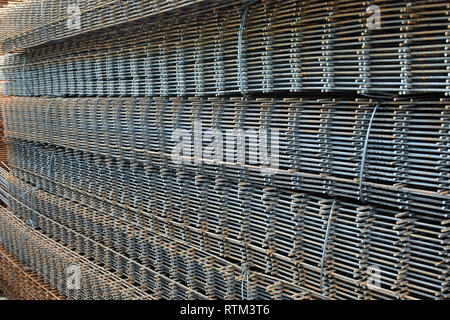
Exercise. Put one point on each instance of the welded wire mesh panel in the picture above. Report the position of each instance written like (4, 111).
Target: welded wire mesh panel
(320, 141)
(285, 235)
(51, 261)
(18, 283)
(31, 23)
(229, 150)
(280, 46)
(173, 269)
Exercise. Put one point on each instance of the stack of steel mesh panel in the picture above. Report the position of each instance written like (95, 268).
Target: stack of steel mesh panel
(18, 283)
(35, 22)
(349, 126)
(51, 260)
(136, 249)
(287, 46)
(321, 141)
(283, 232)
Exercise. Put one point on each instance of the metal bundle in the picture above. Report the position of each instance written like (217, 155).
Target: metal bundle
(280, 46)
(335, 197)
(32, 23)
(18, 283)
(51, 261)
(278, 232)
(148, 258)
(322, 142)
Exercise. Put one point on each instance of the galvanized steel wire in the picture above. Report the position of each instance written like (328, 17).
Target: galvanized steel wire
(362, 178)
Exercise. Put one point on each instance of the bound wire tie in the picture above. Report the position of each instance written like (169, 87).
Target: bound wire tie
(50, 136)
(245, 275)
(43, 22)
(23, 75)
(325, 244)
(241, 33)
(379, 95)
(364, 153)
(32, 220)
(50, 168)
(22, 240)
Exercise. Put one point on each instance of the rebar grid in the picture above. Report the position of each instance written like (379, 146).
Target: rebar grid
(321, 141)
(361, 179)
(18, 283)
(36, 22)
(280, 233)
(287, 46)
